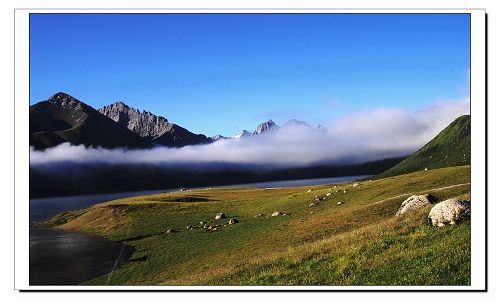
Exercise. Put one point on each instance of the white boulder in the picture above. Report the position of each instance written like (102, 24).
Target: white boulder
(412, 203)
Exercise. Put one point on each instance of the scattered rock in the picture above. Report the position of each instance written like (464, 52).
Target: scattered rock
(189, 227)
(414, 202)
(232, 221)
(324, 198)
(449, 211)
(312, 204)
(202, 223)
(309, 191)
(328, 194)
(259, 215)
(205, 227)
(276, 214)
(210, 228)
(355, 184)
(425, 169)
(316, 200)
(169, 231)
(339, 203)
(345, 191)
(220, 216)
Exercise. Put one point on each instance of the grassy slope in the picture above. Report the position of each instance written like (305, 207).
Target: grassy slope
(451, 147)
(359, 242)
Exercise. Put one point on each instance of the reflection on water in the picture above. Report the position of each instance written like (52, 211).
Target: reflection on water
(60, 257)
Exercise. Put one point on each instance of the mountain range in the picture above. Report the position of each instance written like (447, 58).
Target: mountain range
(155, 129)
(63, 118)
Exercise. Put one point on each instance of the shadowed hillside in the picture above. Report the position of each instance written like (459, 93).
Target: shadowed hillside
(63, 118)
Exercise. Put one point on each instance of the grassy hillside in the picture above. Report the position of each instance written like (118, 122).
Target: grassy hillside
(357, 242)
(451, 147)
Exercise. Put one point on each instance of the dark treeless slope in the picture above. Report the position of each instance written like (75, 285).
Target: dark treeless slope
(63, 118)
(451, 147)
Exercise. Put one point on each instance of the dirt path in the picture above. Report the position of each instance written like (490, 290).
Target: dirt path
(421, 192)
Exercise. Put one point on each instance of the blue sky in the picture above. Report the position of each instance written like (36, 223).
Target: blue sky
(220, 73)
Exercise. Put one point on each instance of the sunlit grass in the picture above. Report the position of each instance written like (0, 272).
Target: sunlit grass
(359, 242)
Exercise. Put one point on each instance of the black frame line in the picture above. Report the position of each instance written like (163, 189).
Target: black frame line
(217, 11)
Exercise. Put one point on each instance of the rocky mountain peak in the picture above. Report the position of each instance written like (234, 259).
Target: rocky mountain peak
(144, 123)
(218, 137)
(65, 100)
(295, 122)
(265, 127)
(244, 133)
(120, 106)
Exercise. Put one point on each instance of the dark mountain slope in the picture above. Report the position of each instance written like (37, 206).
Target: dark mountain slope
(451, 147)
(63, 118)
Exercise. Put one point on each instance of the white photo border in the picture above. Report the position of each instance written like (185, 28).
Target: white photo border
(478, 152)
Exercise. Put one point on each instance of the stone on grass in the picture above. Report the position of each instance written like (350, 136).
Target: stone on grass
(259, 215)
(328, 194)
(169, 231)
(232, 221)
(220, 216)
(312, 204)
(414, 202)
(339, 203)
(355, 184)
(309, 190)
(276, 214)
(450, 212)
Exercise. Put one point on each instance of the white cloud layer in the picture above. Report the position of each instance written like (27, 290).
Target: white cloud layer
(358, 137)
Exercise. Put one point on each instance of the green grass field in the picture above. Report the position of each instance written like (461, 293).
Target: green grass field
(359, 242)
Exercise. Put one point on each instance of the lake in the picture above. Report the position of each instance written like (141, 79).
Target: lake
(59, 257)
